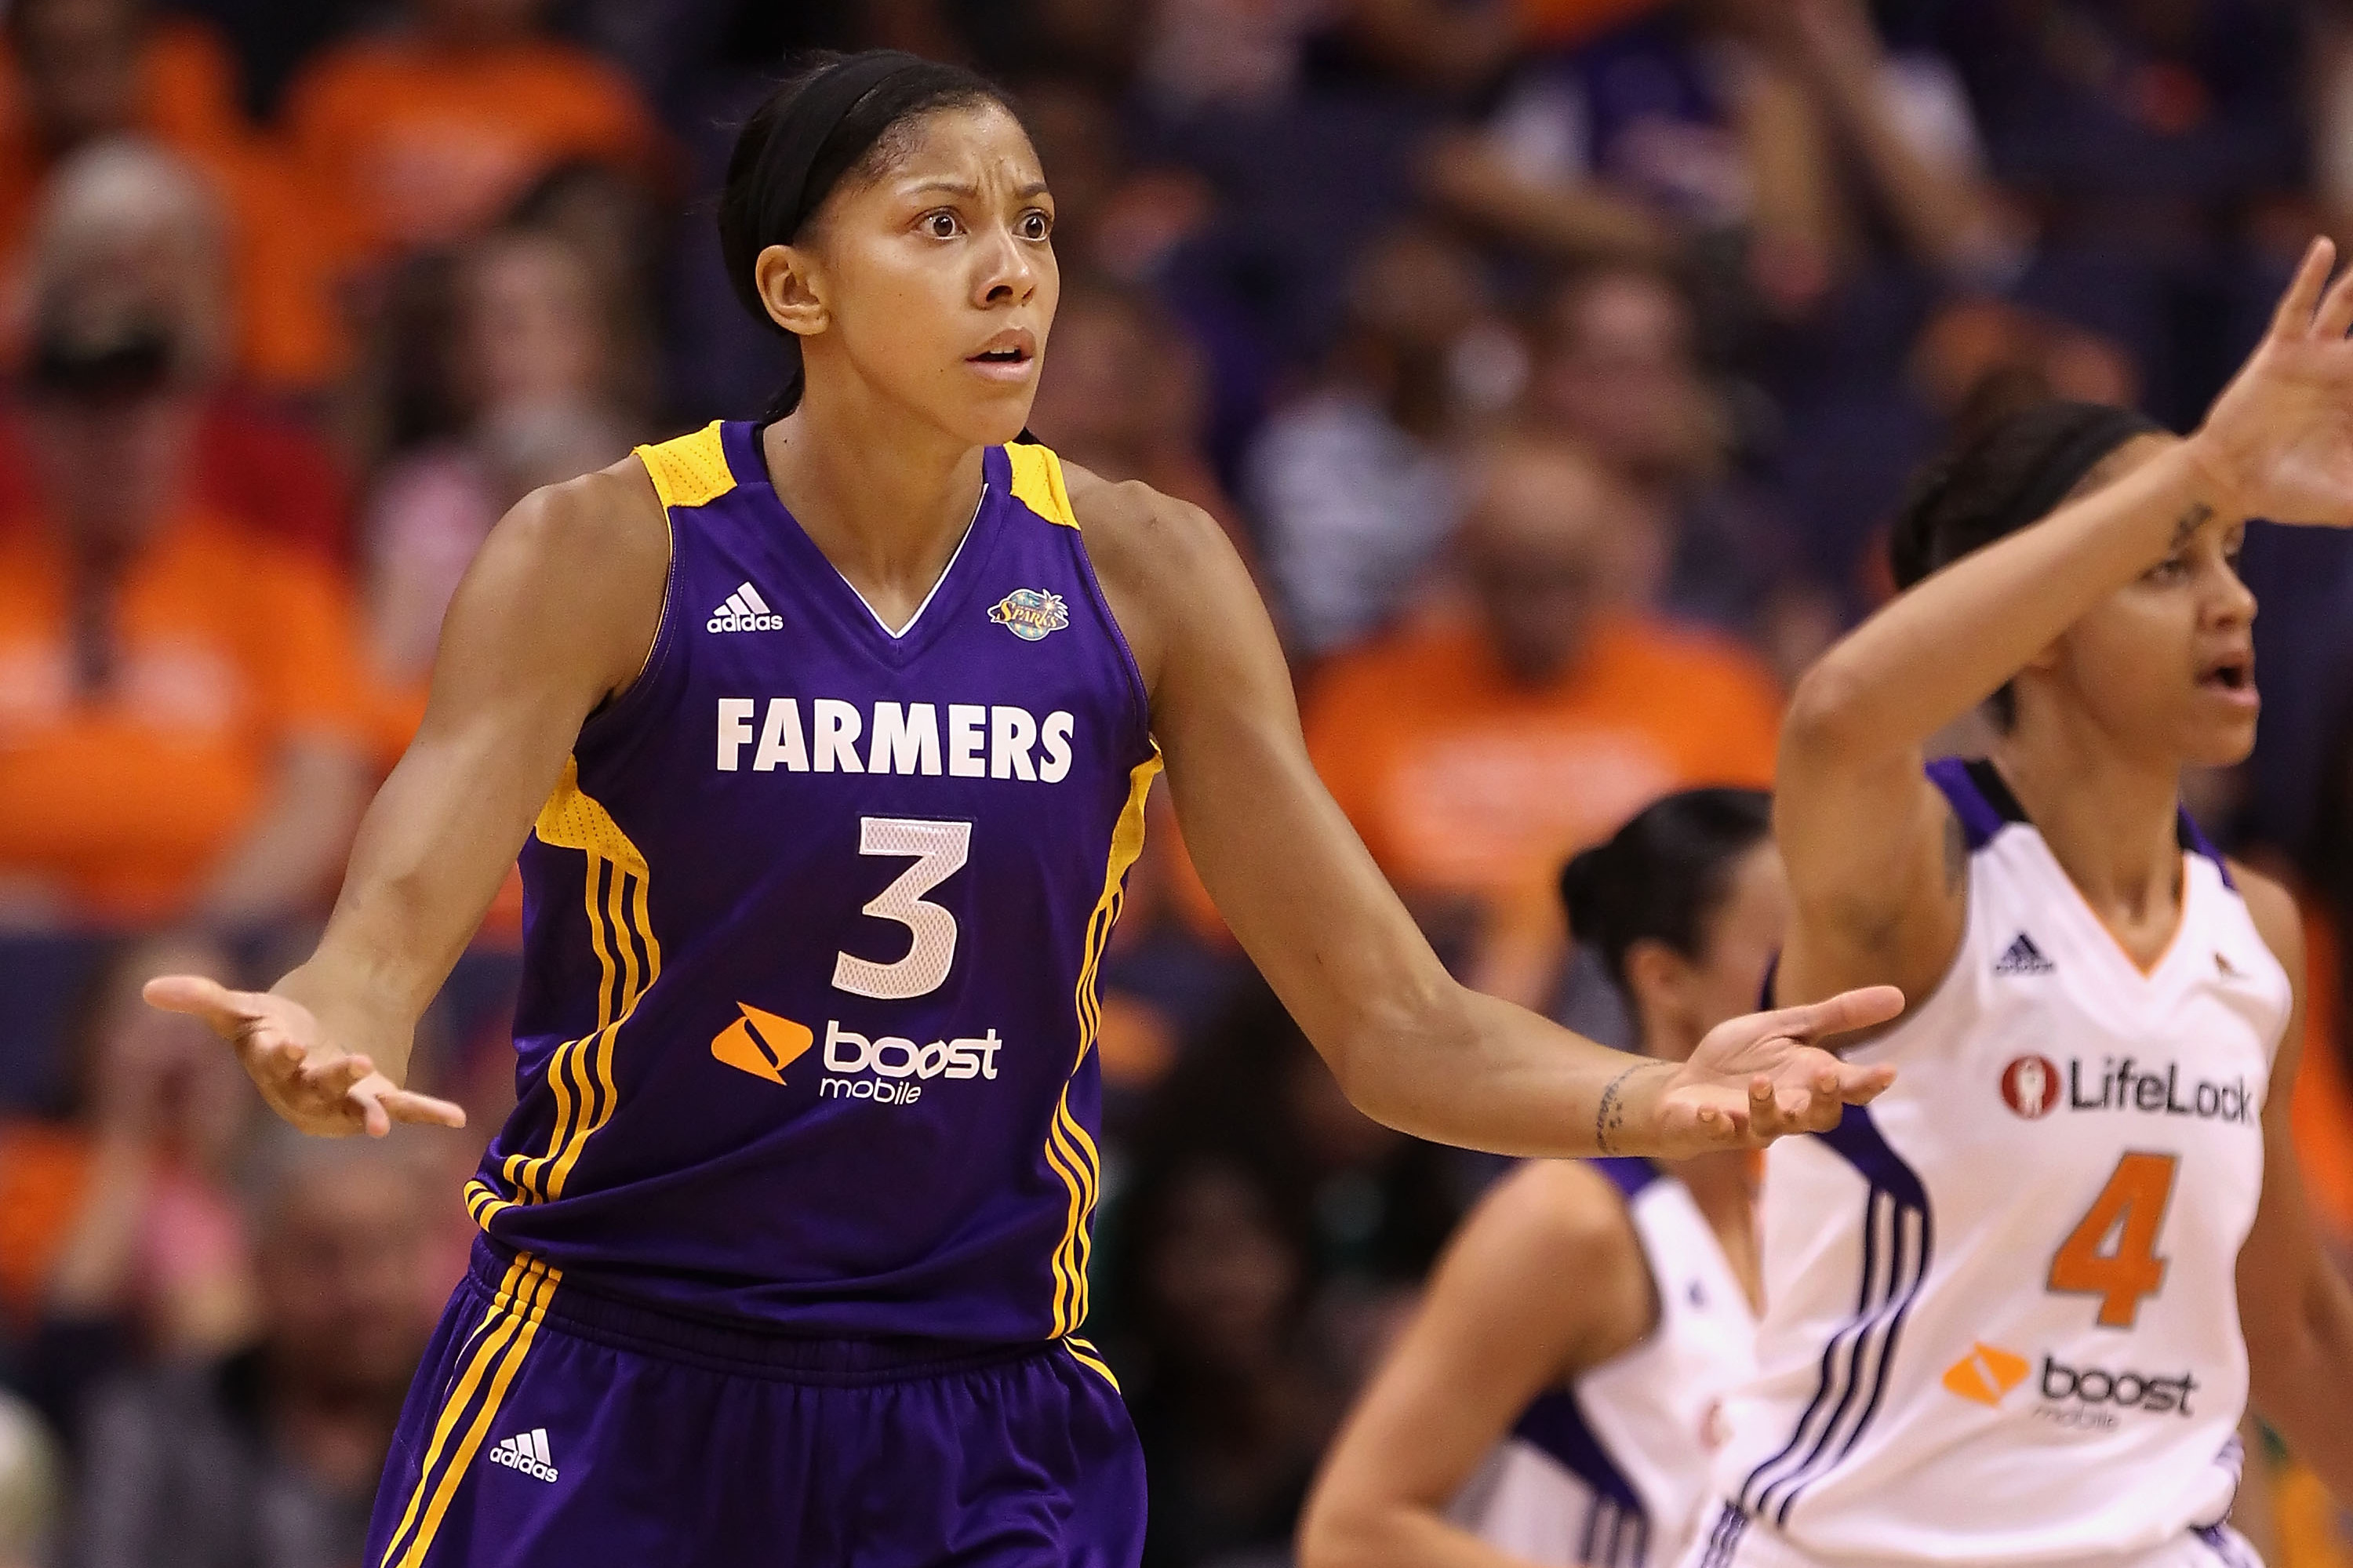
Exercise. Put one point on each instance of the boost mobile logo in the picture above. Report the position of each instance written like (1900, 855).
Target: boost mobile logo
(762, 1043)
(2071, 1396)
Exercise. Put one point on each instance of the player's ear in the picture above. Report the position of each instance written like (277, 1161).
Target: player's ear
(793, 287)
(1658, 980)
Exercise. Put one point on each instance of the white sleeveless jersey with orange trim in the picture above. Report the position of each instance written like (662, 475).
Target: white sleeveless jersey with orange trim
(2001, 1324)
(1610, 1471)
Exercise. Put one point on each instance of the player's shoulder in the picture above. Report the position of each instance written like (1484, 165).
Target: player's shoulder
(2274, 909)
(1563, 1209)
(1168, 570)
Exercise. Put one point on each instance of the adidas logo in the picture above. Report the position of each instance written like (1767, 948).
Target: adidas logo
(526, 1452)
(2023, 957)
(744, 610)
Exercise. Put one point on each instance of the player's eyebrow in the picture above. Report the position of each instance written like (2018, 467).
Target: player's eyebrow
(967, 189)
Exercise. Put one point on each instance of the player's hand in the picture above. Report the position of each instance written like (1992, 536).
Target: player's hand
(314, 1086)
(2279, 440)
(1760, 1078)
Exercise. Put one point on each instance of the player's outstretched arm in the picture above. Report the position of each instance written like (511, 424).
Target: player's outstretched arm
(1545, 1279)
(2296, 1309)
(1409, 1045)
(556, 613)
(1873, 856)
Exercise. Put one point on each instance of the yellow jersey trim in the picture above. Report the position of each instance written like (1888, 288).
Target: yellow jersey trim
(1038, 483)
(492, 1354)
(1068, 1151)
(690, 470)
(628, 957)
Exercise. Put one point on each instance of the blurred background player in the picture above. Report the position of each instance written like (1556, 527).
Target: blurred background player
(1554, 1398)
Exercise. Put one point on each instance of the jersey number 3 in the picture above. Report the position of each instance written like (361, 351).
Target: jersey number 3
(940, 850)
(2131, 1208)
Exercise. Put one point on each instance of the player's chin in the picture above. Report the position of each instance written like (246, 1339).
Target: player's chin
(991, 412)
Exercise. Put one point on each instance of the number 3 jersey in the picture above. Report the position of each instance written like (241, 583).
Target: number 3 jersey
(811, 928)
(2001, 1324)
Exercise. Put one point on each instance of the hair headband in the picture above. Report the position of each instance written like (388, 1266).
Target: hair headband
(783, 200)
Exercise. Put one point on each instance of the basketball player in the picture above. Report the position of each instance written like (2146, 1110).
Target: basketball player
(1551, 1400)
(829, 737)
(2015, 1311)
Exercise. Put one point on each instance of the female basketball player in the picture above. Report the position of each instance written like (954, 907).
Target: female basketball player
(1551, 1402)
(830, 736)
(2013, 1311)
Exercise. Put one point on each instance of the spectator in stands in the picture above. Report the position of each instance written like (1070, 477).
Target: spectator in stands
(425, 135)
(182, 693)
(535, 372)
(1121, 396)
(2324, 1090)
(1354, 484)
(146, 221)
(122, 1240)
(81, 71)
(270, 1456)
(1727, 124)
(1617, 369)
(30, 1487)
(1476, 757)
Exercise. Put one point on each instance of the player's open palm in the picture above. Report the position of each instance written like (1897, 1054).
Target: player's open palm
(2280, 435)
(312, 1084)
(1763, 1076)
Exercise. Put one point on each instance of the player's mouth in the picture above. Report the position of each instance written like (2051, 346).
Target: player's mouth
(2232, 677)
(1009, 356)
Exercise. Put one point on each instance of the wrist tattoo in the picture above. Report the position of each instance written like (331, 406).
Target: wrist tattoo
(2186, 526)
(1610, 1116)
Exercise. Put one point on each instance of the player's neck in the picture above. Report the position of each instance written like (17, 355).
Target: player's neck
(1723, 1186)
(886, 497)
(2109, 820)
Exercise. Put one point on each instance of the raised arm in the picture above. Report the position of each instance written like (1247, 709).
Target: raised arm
(2295, 1308)
(1874, 855)
(1409, 1045)
(557, 613)
(1545, 1279)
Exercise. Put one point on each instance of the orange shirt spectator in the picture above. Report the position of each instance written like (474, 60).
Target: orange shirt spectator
(227, 648)
(2322, 1115)
(419, 140)
(73, 72)
(1475, 758)
(1463, 780)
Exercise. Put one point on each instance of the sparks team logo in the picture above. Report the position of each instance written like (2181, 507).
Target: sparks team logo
(2030, 1086)
(762, 1043)
(1986, 1373)
(1030, 613)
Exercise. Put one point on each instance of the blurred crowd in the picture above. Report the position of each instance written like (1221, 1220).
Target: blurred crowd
(1554, 363)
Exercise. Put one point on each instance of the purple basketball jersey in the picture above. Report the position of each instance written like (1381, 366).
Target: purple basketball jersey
(811, 926)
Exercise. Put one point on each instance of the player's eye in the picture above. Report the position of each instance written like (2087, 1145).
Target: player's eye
(940, 225)
(1036, 225)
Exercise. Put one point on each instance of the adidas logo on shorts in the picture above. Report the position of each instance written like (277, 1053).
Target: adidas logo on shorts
(2023, 957)
(744, 610)
(526, 1452)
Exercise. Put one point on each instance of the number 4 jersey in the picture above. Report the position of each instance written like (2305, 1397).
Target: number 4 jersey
(2000, 1322)
(811, 927)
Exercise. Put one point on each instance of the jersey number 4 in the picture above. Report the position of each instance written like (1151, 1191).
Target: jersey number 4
(2130, 1209)
(940, 850)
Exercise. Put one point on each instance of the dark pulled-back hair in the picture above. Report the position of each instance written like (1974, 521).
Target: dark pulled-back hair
(1664, 875)
(2010, 474)
(836, 118)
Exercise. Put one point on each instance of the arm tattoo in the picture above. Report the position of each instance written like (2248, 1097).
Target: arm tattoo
(2186, 526)
(1610, 1116)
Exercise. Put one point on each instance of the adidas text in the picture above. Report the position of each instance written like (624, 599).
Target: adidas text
(744, 610)
(526, 1452)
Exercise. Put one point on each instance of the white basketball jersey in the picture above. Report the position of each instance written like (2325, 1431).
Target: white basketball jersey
(1611, 1471)
(2000, 1322)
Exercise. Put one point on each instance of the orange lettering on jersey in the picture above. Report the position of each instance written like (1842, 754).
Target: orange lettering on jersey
(762, 1043)
(1986, 1373)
